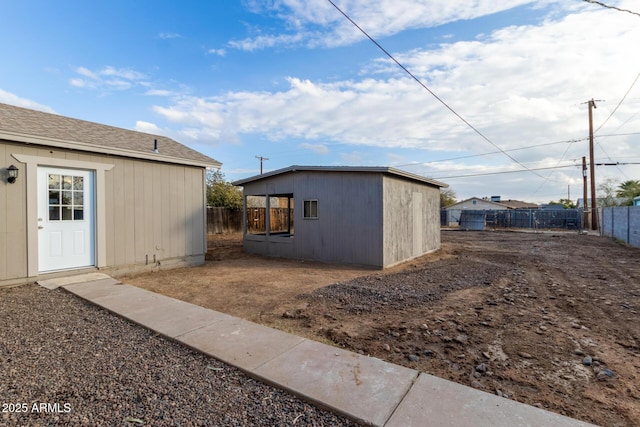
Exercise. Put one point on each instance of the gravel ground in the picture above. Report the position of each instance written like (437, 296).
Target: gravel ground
(419, 286)
(66, 362)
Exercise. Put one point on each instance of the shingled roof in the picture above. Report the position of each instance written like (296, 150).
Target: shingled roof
(36, 127)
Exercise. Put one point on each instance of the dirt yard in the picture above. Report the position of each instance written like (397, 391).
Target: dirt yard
(548, 319)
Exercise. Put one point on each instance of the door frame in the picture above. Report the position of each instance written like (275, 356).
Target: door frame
(32, 163)
(67, 260)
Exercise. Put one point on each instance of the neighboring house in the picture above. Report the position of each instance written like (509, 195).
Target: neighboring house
(636, 201)
(89, 196)
(370, 216)
(517, 204)
(454, 211)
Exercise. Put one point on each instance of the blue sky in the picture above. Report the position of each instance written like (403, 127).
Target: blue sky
(294, 81)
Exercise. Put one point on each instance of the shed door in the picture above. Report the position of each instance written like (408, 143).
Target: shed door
(66, 231)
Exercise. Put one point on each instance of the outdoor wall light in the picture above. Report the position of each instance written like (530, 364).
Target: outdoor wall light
(12, 171)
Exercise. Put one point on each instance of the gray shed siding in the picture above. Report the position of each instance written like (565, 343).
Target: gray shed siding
(152, 209)
(349, 224)
(377, 217)
(411, 220)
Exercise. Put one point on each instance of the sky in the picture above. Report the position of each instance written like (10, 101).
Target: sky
(489, 97)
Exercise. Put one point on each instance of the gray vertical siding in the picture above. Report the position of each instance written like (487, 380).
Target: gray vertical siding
(349, 224)
(363, 218)
(151, 209)
(400, 240)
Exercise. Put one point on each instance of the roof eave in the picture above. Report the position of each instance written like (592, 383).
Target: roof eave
(74, 145)
(374, 169)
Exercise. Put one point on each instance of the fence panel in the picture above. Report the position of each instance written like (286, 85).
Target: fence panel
(473, 220)
(223, 220)
(622, 223)
(521, 218)
(278, 220)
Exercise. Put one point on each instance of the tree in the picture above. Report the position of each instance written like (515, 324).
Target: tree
(628, 190)
(221, 193)
(447, 197)
(607, 193)
(566, 203)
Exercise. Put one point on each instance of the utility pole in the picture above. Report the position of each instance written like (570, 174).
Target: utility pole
(594, 210)
(261, 160)
(585, 215)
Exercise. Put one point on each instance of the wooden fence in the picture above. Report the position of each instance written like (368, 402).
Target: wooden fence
(226, 220)
(256, 220)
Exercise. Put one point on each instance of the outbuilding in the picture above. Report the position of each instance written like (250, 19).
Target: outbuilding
(369, 216)
(78, 196)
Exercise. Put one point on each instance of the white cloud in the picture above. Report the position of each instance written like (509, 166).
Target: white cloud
(108, 78)
(167, 36)
(519, 85)
(123, 73)
(319, 23)
(86, 73)
(316, 148)
(12, 99)
(160, 92)
(267, 41)
(78, 82)
(147, 127)
(219, 52)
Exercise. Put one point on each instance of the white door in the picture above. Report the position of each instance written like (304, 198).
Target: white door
(66, 232)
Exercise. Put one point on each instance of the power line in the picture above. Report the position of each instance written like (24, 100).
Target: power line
(504, 172)
(611, 7)
(552, 172)
(612, 113)
(619, 103)
(406, 70)
(535, 169)
(494, 152)
(569, 141)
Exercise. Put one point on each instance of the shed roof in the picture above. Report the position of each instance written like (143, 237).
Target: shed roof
(354, 169)
(36, 127)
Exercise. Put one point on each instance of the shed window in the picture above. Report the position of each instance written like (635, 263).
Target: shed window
(310, 209)
(66, 198)
(279, 219)
(256, 214)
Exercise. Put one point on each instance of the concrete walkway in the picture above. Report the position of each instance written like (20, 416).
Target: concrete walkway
(363, 388)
